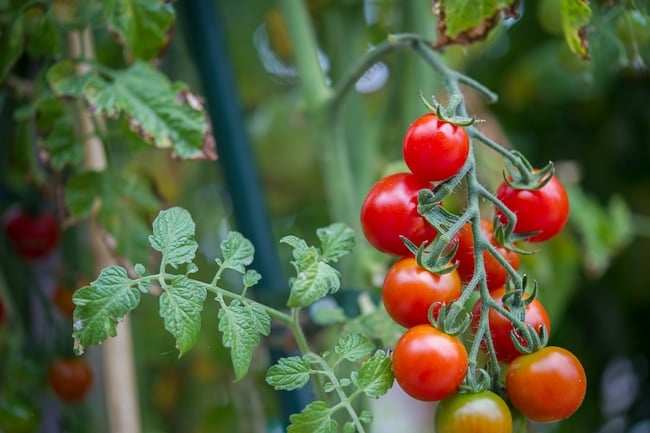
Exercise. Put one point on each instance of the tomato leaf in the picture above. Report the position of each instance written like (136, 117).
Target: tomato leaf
(575, 15)
(41, 32)
(237, 252)
(165, 115)
(11, 45)
(354, 347)
(173, 236)
(241, 324)
(314, 277)
(337, 240)
(143, 26)
(180, 307)
(314, 418)
(100, 306)
(289, 373)
(375, 377)
(467, 21)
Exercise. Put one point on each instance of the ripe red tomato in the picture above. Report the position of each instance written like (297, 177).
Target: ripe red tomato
(32, 236)
(547, 385)
(545, 210)
(479, 412)
(2, 312)
(433, 149)
(500, 327)
(428, 364)
(495, 273)
(390, 210)
(409, 290)
(62, 299)
(70, 378)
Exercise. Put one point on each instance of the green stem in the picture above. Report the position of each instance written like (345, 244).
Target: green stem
(305, 48)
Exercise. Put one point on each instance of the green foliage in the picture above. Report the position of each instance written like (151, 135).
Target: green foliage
(576, 15)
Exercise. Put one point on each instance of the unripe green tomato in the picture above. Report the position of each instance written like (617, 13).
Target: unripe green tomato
(476, 412)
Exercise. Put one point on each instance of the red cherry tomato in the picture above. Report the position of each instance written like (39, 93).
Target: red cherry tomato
(500, 327)
(3, 313)
(496, 274)
(547, 385)
(479, 412)
(428, 364)
(545, 210)
(390, 210)
(31, 236)
(433, 149)
(409, 290)
(62, 299)
(70, 378)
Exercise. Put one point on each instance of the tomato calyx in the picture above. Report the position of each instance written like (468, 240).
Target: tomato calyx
(449, 113)
(505, 236)
(525, 337)
(520, 174)
(450, 318)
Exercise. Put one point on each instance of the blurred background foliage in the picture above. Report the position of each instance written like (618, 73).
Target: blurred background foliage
(591, 118)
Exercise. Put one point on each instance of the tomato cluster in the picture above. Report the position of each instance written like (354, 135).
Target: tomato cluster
(542, 383)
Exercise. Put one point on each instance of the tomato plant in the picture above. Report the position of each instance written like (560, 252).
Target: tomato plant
(428, 364)
(495, 272)
(547, 385)
(32, 236)
(474, 412)
(409, 290)
(433, 149)
(390, 211)
(502, 328)
(542, 211)
(70, 378)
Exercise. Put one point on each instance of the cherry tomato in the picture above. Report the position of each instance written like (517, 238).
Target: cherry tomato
(62, 299)
(390, 210)
(3, 313)
(433, 149)
(500, 327)
(18, 416)
(545, 210)
(479, 412)
(70, 378)
(496, 274)
(547, 385)
(428, 364)
(409, 290)
(32, 236)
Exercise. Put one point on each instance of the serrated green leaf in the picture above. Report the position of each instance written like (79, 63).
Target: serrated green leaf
(11, 45)
(81, 191)
(251, 278)
(165, 115)
(348, 427)
(314, 418)
(337, 240)
(237, 252)
(100, 306)
(329, 387)
(62, 146)
(241, 324)
(575, 16)
(180, 307)
(375, 377)
(366, 416)
(354, 347)
(143, 26)
(173, 236)
(463, 15)
(313, 283)
(289, 373)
